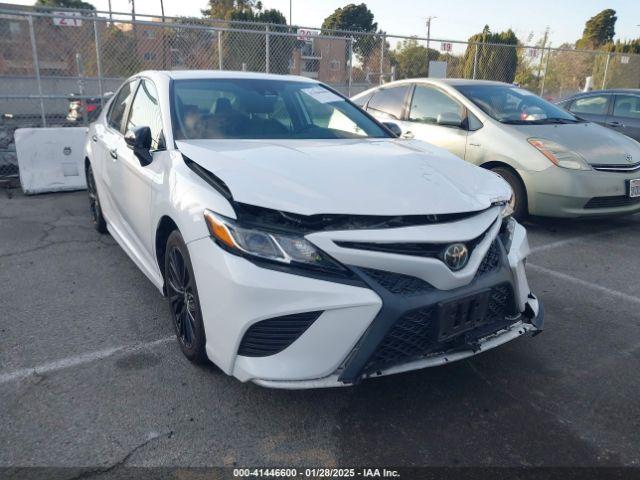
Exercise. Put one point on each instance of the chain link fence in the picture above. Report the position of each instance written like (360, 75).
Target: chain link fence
(57, 67)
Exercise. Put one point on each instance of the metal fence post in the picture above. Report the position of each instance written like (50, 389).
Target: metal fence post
(220, 50)
(266, 50)
(475, 62)
(36, 66)
(350, 66)
(383, 40)
(96, 35)
(546, 66)
(606, 69)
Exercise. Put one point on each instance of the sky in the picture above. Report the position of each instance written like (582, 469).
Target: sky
(456, 20)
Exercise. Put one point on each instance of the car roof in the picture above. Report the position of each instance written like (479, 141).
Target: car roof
(601, 92)
(212, 74)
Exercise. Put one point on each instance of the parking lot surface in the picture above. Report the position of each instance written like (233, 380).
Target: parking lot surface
(91, 376)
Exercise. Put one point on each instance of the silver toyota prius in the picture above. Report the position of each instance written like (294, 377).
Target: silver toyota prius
(557, 164)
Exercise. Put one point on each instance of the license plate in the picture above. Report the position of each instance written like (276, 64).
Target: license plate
(634, 188)
(463, 314)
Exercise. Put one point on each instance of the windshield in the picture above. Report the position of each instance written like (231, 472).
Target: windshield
(265, 109)
(513, 105)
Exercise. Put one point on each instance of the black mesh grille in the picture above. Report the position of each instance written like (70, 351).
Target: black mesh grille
(491, 260)
(416, 333)
(273, 335)
(398, 283)
(611, 202)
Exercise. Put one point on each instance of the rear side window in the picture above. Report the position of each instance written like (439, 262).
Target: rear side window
(596, 105)
(362, 101)
(429, 103)
(119, 106)
(627, 106)
(145, 112)
(389, 101)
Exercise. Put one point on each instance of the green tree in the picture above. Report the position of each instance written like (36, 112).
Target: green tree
(65, 4)
(411, 59)
(225, 8)
(249, 48)
(355, 18)
(598, 30)
(497, 56)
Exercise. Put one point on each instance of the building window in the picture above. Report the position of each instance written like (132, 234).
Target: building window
(149, 56)
(14, 28)
(334, 65)
(150, 34)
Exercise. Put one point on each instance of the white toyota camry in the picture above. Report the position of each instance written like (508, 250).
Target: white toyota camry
(299, 243)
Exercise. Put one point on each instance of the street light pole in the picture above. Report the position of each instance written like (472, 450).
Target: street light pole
(290, 14)
(429, 38)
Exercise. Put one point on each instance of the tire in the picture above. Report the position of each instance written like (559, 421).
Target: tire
(184, 301)
(99, 222)
(519, 205)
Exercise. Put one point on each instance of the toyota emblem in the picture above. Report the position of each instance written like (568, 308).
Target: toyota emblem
(456, 256)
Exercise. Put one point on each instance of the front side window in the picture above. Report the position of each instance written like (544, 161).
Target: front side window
(512, 105)
(627, 106)
(429, 103)
(260, 109)
(145, 112)
(389, 101)
(119, 106)
(596, 105)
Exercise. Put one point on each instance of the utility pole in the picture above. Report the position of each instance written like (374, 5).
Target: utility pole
(429, 38)
(290, 14)
(162, 10)
(110, 14)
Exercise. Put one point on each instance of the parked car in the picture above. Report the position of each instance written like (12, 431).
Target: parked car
(299, 243)
(557, 164)
(83, 109)
(615, 109)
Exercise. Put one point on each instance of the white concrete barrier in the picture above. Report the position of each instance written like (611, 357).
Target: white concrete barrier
(51, 159)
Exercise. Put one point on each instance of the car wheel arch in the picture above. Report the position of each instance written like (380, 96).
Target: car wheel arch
(491, 165)
(166, 225)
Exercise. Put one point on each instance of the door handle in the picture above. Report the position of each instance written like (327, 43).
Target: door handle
(408, 135)
(94, 138)
(615, 124)
(114, 154)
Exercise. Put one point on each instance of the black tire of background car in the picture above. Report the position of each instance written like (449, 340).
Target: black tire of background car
(520, 208)
(97, 217)
(181, 285)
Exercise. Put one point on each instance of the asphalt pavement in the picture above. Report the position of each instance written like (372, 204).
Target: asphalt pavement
(90, 375)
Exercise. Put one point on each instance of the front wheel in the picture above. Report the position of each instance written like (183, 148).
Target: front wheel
(183, 299)
(519, 200)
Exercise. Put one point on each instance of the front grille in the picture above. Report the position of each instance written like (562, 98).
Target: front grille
(416, 333)
(398, 283)
(623, 168)
(611, 202)
(491, 260)
(273, 335)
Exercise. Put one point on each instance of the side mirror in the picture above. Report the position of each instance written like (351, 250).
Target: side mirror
(393, 127)
(449, 119)
(139, 140)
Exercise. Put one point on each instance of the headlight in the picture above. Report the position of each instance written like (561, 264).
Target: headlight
(559, 155)
(277, 247)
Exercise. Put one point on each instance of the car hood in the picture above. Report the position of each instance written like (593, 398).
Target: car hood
(596, 144)
(357, 177)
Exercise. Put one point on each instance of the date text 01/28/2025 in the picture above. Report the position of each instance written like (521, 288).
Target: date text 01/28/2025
(316, 472)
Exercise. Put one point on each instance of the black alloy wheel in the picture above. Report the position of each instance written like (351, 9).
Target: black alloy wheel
(183, 299)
